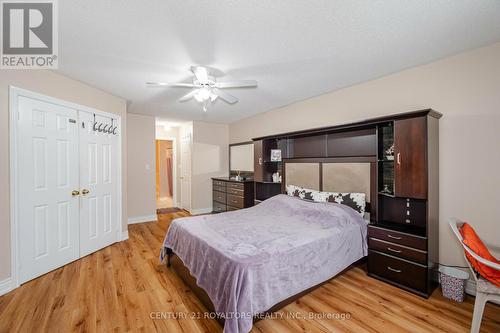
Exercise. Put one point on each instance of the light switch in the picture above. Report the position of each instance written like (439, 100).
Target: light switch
(148, 167)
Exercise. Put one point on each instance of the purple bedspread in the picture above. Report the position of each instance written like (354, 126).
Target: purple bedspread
(251, 259)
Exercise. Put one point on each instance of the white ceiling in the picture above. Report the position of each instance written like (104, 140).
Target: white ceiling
(295, 49)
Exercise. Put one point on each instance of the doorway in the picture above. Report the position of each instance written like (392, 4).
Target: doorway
(165, 177)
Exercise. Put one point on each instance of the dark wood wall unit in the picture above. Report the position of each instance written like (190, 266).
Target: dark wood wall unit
(410, 149)
(265, 191)
(355, 125)
(258, 170)
(307, 146)
(408, 205)
(229, 194)
(433, 188)
(264, 167)
(404, 231)
(405, 211)
(283, 144)
(352, 143)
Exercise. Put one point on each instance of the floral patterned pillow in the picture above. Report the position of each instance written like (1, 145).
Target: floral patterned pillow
(301, 192)
(356, 201)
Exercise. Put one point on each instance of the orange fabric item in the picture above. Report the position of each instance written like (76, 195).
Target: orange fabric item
(472, 240)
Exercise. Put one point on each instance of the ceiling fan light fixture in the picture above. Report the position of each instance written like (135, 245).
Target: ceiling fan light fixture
(207, 88)
(203, 94)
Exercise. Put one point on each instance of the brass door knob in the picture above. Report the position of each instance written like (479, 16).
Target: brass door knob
(85, 191)
(75, 193)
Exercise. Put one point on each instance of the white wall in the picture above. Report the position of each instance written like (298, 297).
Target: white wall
(210, 158)
(466, 89)
(141, 168)
(58, 86)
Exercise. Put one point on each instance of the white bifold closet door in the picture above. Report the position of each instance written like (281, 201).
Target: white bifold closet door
(47, 174)
(59, 159)
(98, 176)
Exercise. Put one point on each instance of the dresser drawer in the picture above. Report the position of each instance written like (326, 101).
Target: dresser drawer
(235, 201)
(219, 183)
(398, 250)
(238, 186)
(219, 197)
(398, 237)
(218, 207)
(397, 270)
(235, 191)
(219, 188)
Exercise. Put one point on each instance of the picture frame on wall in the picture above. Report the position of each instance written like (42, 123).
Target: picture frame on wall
(275, 155)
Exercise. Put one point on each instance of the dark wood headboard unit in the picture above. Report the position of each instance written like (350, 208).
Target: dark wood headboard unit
(321, 162)
(403, 152)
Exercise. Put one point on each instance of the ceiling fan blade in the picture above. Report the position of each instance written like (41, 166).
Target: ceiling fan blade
(236, 84)
(200, 73)
(225, 96)
(163, 84)
(188, 96)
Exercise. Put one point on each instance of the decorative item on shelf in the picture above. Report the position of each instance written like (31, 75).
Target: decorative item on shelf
(276, 177)
(386, 189)
(389, 153)
(238, 177)
(275, 155)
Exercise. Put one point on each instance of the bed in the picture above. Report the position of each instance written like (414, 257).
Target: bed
(253, 261)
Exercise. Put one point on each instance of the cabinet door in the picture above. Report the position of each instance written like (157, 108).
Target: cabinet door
(258, 163)
(410, 147)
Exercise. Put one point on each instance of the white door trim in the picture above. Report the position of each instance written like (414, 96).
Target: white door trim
(14, 94)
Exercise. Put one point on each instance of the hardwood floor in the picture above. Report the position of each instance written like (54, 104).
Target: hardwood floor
(124, 288)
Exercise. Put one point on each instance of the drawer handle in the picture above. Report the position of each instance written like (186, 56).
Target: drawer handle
(235, 201)
(394, 270)
(392, 250)
(393, 237)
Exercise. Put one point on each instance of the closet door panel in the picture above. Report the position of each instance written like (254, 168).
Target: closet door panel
(47, 167)
(99, 183)
(410, 168)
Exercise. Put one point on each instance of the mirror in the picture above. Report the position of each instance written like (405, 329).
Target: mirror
(241, 157)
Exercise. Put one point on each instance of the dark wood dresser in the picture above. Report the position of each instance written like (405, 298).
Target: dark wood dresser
(231, 194)
(403, 241)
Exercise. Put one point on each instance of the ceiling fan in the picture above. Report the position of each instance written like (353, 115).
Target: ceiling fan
(206, 87)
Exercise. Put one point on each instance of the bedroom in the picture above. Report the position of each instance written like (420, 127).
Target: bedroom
(397, 101)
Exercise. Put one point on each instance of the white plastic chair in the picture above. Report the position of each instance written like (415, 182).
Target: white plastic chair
(485, 290)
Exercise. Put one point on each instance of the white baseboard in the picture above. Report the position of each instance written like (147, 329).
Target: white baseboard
(141, 219)
(5, 286)
(124, 235)
(200, 211)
